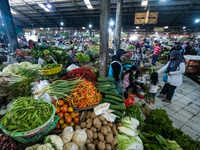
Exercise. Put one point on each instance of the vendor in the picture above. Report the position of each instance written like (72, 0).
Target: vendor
(73, 60)
(116, 69)
(48, 59)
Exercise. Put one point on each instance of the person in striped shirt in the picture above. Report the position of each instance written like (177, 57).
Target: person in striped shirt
(156, 51)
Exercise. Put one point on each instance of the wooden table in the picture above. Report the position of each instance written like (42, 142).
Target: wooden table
(192, 64)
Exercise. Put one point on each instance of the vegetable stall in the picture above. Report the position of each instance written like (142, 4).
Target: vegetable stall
(78, 110)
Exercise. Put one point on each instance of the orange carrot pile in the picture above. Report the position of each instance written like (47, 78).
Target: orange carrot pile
(85, 95)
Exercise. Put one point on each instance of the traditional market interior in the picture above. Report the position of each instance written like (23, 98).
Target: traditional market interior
(99, 74)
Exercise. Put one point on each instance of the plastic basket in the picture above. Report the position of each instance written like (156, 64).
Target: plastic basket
(29, 134)
(52, 71)
(39, 136)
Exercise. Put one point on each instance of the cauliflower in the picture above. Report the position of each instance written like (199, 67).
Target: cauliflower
(46, 146)
(34, 147)
(55, 140)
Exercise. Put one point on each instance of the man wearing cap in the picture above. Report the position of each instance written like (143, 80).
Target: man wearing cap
(48, 59)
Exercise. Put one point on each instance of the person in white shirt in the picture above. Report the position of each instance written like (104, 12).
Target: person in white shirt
(175, 69)
(153, 87)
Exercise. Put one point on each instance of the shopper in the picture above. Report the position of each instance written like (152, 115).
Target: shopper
(198, 50)
(174, 69)
(47, 59)
(116, 69)
(156, 51)
(153, 87)
(73, 60)
(188, 49)
(129, 83)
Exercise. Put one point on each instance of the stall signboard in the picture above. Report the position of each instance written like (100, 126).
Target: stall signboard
(153, 17)
(146, 17)
(158, 29)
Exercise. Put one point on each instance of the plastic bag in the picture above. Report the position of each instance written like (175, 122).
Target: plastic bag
(70, 146)
(80, 137)
(72, 67)
(38, 86)
(67, 134)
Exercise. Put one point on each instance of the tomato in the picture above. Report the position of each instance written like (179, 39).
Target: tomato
(68, 119)
(61, 121)
(60, 115)
(76, 120)
(58, 126)
(54, 101)
(77, 114)
(72, 124)
(57, 110)
(63, 109)
(65, 105)
(73, 114)
(66, 114)
(64, 125)
(60, 103)
(70, 109)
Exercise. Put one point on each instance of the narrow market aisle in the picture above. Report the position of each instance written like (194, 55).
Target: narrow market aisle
(184, 110)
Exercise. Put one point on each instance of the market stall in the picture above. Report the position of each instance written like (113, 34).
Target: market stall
(192, 64)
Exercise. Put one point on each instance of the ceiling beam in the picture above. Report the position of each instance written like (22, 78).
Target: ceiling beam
(31, 7)
(26, 16)
(181, 15)
(79, 10)
(21, 22)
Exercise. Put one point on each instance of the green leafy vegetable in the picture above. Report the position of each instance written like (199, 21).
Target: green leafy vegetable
(50, 66)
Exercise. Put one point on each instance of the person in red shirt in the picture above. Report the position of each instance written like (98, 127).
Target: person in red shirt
(156, 51)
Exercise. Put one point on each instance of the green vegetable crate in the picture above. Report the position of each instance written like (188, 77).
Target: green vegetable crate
(39, 136)
(36, 134)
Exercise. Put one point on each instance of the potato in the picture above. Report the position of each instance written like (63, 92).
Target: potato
(108, 129)
(108, 147)
(84, 148)
(102, 118)
(77, 127)
(89, 134)
(89, 124)
(109, 137)
(97, 123)
(91, 140)
(88, 141)
(119, 124)
(100, 137)
(88, 121)
(104, 141)
(90, 146)
(114, 142)
(93, 129)
(104, 130)
(105, 122)
(89, 114)
(94, 135)
(83, 124)
(114, 130)
(93, 115)
(95, 142)
(101, 146)
(110, 124)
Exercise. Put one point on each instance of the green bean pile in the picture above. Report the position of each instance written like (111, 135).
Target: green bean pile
(27, 114)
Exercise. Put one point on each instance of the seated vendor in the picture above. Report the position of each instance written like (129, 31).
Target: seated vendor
(48, 59)
(73, 60)
(129, 82)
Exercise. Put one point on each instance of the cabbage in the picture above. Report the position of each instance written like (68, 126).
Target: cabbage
(131, 123)
(128, 131)
(129, 143)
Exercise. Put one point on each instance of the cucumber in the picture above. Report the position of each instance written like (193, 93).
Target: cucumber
(112, 92)
(118, 113)
(113, 97)
(110, 101)
(117, 107)
(105, 79)
(105, 89)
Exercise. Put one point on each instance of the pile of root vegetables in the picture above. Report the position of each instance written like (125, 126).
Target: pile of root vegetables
(100, 133)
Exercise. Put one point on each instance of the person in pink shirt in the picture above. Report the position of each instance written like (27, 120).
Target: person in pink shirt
(156, 51)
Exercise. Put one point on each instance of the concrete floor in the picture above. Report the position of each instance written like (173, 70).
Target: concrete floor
(184, 110)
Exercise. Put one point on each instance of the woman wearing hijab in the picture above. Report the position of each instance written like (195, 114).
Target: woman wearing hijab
(175, 69)
(73, 60)
(116, 69)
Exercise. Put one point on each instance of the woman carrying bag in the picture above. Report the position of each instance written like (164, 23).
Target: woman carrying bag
(174, 70)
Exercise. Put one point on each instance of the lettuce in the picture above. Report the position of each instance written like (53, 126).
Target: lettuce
(129, 143)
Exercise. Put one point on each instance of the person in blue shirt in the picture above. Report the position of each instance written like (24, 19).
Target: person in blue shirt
(116, 69)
